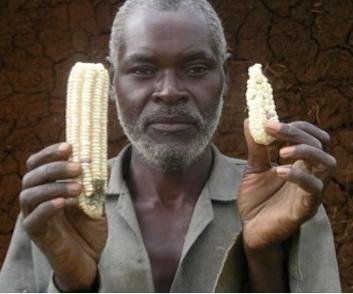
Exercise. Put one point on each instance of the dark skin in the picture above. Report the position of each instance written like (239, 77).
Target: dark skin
(271, 210)
(164, 73)
(70, 240)
(274, 201)
(164, 240)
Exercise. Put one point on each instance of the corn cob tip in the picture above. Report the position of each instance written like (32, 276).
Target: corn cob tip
(86, 131)
(260, 103)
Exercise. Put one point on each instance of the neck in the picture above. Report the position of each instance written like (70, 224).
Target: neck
(173, 188)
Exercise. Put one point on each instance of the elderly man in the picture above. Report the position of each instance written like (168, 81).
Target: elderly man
(171, 222)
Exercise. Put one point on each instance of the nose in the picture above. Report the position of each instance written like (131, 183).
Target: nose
(169, 89)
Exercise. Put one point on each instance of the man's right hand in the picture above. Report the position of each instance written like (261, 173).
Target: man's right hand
(71, 241)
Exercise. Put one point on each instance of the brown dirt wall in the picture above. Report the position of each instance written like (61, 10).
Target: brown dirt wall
(306, 47)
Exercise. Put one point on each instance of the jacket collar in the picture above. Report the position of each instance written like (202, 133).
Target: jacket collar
(223, 183)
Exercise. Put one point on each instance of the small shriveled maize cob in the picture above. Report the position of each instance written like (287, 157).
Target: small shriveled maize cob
(86, 130)
(261, 106)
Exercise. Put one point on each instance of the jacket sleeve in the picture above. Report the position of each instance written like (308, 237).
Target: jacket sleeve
(17, 274)
(312, 258)
(25, 268)
(312, 263)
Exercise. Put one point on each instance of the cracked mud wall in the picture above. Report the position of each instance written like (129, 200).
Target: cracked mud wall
(306, 47)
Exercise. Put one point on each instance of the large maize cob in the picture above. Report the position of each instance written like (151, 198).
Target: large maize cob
(261, 106)
(86, 130)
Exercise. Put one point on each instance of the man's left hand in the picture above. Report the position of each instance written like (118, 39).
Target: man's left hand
(274, 201)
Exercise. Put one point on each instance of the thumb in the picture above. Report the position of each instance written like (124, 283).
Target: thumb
(258, 154)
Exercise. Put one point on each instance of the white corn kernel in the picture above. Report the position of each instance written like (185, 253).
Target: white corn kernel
(260, 103)
(86, 131)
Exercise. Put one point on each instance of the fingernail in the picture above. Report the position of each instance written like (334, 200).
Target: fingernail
(75, 188)
(70, 201)
(64, 147)
(287, 151)
(58, 202)
(282, 170)
(273, 125)
(74, 167)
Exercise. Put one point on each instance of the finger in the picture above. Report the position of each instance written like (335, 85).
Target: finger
(56, 152)
(322, 164)
(51, 172)
(32, 197)
(290, 133)
(313, 130)
(34, 223)
(308, 182)
(258, 155)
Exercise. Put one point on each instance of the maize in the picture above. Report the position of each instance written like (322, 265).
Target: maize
(86, 131)
(261, 106)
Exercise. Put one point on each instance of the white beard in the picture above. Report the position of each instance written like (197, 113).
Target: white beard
(171, 157)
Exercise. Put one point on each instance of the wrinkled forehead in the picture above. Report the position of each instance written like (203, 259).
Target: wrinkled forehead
(172, 30)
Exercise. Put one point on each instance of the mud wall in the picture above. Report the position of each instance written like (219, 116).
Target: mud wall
(306, 47)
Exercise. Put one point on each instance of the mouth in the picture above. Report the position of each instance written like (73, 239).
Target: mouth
(171, 124)
(171, 127)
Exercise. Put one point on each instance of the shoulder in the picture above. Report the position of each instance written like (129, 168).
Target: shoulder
(225, 176)
(238, 162)
(223, 161)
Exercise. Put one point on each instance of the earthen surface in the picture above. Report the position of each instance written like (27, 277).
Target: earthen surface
(306, 48)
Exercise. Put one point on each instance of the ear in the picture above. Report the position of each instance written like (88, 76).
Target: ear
(112, 90)
(110, 65)
(111, 68)
(226, 70)
(111, 71)
(226, 64)
(112, 93)
(226, 67)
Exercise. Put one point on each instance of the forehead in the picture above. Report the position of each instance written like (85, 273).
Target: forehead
(166, 32)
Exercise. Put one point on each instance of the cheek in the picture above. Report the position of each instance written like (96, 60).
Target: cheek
(130, 96)
(209, 94)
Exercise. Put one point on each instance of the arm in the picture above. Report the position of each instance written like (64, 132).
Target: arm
(274, 202)
(314, 242)
(267, 269)
(25, 269)
(71, 241)
(17, 272)
(310, 264)
(54, 288)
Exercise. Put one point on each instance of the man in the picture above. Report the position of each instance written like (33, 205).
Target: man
(171, 222)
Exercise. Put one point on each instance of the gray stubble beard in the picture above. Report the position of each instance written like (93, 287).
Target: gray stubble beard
(171, 157)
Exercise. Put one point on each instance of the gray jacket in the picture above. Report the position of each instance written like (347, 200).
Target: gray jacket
(212, 257)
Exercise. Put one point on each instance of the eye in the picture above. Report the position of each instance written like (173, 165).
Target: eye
(197, 69)
(143, 71)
